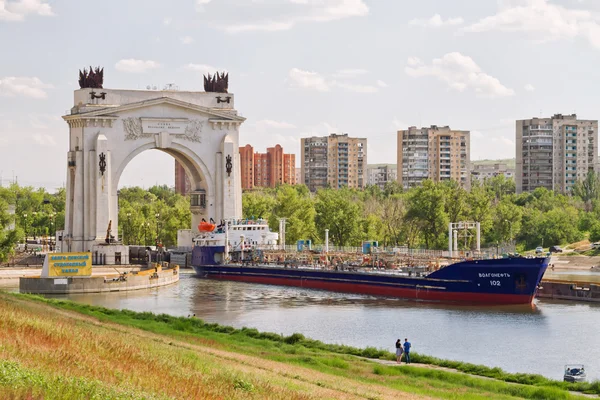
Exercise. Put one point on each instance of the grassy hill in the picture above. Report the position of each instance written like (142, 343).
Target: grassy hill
(64, 350)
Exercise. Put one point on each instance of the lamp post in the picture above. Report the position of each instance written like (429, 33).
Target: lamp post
(157, 215)
(34, 227)
(52, 230)
(128, 230)
(25, 218)
(146, 227)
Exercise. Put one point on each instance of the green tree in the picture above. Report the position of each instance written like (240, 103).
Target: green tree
(258, 204)
(588, 189)
(480, 207)
(8, 237)
(427, 210)
(295, 204)
(500, 186)
(338, 211)
(456, 200)
(506, 221)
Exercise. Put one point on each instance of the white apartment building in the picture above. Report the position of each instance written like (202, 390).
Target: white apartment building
(554, 152)
(380, 174)
(437, 153)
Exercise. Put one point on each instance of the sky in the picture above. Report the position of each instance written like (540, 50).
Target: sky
(299, 68)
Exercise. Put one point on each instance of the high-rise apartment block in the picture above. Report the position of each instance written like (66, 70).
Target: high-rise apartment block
(182, 182)
(266, 169)
(335, 161)
(554, 152)
(437, 153)
(381, 174)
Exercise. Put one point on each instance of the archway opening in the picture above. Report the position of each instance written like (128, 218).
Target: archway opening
(150, 208)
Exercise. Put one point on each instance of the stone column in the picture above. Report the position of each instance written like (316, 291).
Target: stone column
(103, 189)
(230, 182)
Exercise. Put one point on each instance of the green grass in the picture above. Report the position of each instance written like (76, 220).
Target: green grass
(18, 382)
(338, 359)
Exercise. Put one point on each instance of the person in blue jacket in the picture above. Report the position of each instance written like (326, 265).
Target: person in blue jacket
(406, 351)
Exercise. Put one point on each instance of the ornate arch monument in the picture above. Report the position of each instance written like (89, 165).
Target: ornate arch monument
(109, 127)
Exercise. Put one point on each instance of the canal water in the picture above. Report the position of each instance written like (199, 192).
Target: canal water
(540, 338)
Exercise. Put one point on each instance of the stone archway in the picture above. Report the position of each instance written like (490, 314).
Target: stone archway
(199, 129)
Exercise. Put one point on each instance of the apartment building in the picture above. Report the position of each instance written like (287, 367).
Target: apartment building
(336, 161)
(554, 152)
(437, 153)
(380, 174)
(182, 182)
(247, 166)
(481, 172)
(266, 169)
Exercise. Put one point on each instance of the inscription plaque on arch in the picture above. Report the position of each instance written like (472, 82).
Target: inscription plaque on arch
(158, 125)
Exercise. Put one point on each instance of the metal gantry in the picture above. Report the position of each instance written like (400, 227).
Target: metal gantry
(465, 229)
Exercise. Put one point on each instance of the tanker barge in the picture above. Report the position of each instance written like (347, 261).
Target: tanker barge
(227, 252)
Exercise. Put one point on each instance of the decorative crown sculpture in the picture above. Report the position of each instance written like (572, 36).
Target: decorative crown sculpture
(94, 78)
(218, 83)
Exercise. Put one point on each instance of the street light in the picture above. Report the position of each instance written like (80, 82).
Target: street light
(128, 231)
(25, 218)
(157, 229)
(146, 227)
(34, 228)
(53, 230)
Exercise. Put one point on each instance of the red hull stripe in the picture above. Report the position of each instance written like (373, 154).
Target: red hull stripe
(400, 292)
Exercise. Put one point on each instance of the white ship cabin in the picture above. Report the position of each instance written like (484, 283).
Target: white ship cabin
(253, 233)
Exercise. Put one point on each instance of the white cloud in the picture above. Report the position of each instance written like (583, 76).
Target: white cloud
(414, 61)
(541, 19)
(265, 26)
(23, 86)
(136, 66)
(17, 10)
(381, 83)
(186, 40)
(275, 16)
(167, 21)
(529, 87)
(203, 68)
(44, 139)
(200, 5)
(308, 80)
(436, 22)
(316, 81)
(349, 73)
(460, 73)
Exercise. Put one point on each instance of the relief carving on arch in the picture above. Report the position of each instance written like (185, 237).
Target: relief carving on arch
(192, 131)
(133, 128)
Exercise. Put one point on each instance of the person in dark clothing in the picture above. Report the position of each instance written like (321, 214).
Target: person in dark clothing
(398, 351)
(407, 351)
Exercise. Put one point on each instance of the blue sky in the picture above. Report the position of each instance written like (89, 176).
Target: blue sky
(299, 68)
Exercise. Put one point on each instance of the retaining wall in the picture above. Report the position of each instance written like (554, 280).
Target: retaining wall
(95, 284)
(569, 291)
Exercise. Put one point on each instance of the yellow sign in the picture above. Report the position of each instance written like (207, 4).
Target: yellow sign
(70, 264)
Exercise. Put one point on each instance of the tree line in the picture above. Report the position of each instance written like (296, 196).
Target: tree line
(417, 218)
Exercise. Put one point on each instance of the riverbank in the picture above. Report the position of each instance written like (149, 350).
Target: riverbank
(54, 349)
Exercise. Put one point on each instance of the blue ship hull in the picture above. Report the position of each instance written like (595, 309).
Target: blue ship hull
(498, 281)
